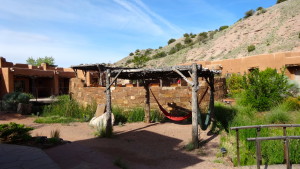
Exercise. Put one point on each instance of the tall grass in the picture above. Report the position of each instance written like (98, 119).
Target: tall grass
(272, 151)
(66, 110)
(135, 115)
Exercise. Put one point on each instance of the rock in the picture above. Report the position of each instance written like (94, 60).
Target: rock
(100, 110)
(100, 121)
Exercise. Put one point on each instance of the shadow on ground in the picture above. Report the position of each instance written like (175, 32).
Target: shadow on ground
(136, 149)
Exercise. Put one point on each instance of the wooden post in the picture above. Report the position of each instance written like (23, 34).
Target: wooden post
(238, 147)
(258, 147)
(108, 102)
(160, 83)
(195, 105)
(147, 102)
(284, 146)
(286, 153)
(257, 154)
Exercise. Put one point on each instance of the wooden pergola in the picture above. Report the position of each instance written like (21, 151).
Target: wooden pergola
(190, 73)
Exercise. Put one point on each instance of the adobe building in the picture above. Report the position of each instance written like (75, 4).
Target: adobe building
(290, 60)
(41, 81)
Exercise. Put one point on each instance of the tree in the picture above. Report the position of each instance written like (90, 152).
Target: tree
(265, 89)
(140, 61)
(40, 60)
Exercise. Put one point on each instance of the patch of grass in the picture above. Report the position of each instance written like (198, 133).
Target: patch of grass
(102, 132)
(57, 119)
(190, 147)
(55, 133)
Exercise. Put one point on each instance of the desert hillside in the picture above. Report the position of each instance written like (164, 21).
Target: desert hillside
(274, 29)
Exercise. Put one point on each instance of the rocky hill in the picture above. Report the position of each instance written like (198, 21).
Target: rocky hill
(275, 29)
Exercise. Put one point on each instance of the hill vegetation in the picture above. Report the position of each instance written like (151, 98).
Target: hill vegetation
(260, 31)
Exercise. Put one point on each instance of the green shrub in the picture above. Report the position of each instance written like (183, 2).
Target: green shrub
(279, 1)
(188, 40)
(14, 133)
(159, 55)
(299, 36)
(223, 27)
(278, 115)
(251, 48)
(171, 41)
(186, 35)
(11, 100)
(172, 51)
(128, 61)
(140, 61)
(131, 54)
(259, 8)
(265, 89)
(192, 35)
(160, 47)
(249, 13)
(235, 84)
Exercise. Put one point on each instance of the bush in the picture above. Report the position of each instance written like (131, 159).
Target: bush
(279, 1)
(140, 61)
(131, 54)
(249, 13)
(259, 8)
(172, 51)
(11, 100)
(171, 41)
(159, 55)
(278, 115)
(14, 133)
(160, 47)
(223, 27)
(265, 89)
(251, 48)
(186, 35)
(235, 84)
(188, 40)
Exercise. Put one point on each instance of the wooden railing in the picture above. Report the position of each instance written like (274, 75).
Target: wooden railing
(258, 147)
(286, 147)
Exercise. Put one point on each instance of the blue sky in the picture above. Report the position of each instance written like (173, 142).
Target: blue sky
(97, 31)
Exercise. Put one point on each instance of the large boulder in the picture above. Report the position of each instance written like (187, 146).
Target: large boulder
(101, 121)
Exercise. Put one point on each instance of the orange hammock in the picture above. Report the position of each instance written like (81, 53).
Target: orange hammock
(169, 115)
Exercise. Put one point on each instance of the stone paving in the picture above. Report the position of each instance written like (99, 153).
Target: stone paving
(24, 157)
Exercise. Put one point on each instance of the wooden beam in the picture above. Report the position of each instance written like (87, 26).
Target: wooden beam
(108, 102)
(100, 75)
(112, 82)
(195, 106)
(185, 78)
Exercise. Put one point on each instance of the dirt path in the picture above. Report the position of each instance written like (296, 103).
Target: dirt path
(137, 145)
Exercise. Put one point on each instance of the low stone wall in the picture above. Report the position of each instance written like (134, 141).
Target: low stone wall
(130, 97)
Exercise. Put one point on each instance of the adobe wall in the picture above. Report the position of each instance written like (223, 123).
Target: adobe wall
(130, 97)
